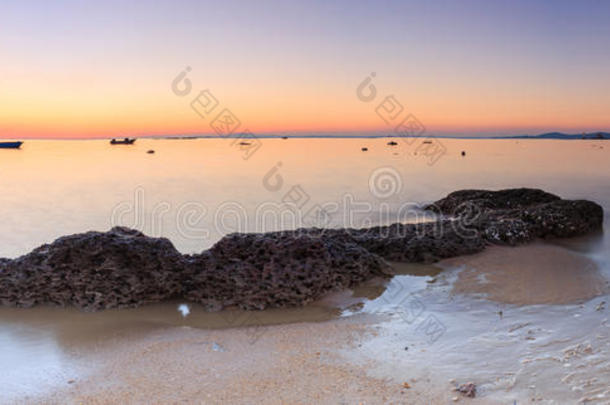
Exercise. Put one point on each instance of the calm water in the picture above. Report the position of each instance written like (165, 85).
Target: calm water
(195, 191)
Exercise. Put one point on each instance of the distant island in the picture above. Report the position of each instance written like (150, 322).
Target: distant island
(559, 135)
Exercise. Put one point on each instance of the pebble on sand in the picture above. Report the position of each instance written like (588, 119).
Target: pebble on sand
(469, 389)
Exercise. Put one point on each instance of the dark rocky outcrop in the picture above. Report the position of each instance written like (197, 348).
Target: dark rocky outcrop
(520, 215)
(485, 199)
(116, 269)
(416, 243)
(124, 268)
(278, 269)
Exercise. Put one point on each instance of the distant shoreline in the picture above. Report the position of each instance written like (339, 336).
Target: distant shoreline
(599, 136)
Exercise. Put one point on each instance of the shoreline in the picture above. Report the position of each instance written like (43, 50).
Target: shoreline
(123, 268)
(356, 357)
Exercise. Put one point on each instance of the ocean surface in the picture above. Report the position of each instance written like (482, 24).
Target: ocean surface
(195, 191)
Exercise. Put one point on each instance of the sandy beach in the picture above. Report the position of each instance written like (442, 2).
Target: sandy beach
(536, 274)
(376, 352)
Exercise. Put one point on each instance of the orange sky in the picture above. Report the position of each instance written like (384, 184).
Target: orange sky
(71, 71)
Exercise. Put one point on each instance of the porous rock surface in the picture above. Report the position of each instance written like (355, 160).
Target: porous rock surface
(517, 216)
(278, 269)
(124, 268)
(94, 270)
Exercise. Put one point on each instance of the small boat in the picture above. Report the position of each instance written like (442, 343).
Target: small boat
(10, 145)
(126, 141)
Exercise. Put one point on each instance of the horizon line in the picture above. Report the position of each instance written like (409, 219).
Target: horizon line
(313, 135)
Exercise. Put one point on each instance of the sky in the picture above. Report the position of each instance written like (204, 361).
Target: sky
(90, 69)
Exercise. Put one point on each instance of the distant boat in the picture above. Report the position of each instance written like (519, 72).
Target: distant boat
(126, 141)
(10, 145)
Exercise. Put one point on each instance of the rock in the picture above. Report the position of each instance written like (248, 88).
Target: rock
(463, 153)
(124, 268)
(485, 199)
(150, 152)
(117, 269)
(520, 215)
(415, 243)
(468, 389)
(392, 143)
(278, 269)
(364, 149)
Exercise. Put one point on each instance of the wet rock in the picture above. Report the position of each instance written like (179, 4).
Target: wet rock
(563, 219)
(517, 216)
(124, 268)
(416, 243)
(485, 199)
(279, 269)
(468, 389)
(116, 269)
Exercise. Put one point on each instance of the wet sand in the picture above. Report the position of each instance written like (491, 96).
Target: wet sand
(287, 364)
(357, 347)
(529, 275)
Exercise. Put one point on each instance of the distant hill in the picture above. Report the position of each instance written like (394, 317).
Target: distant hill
(559, 135)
